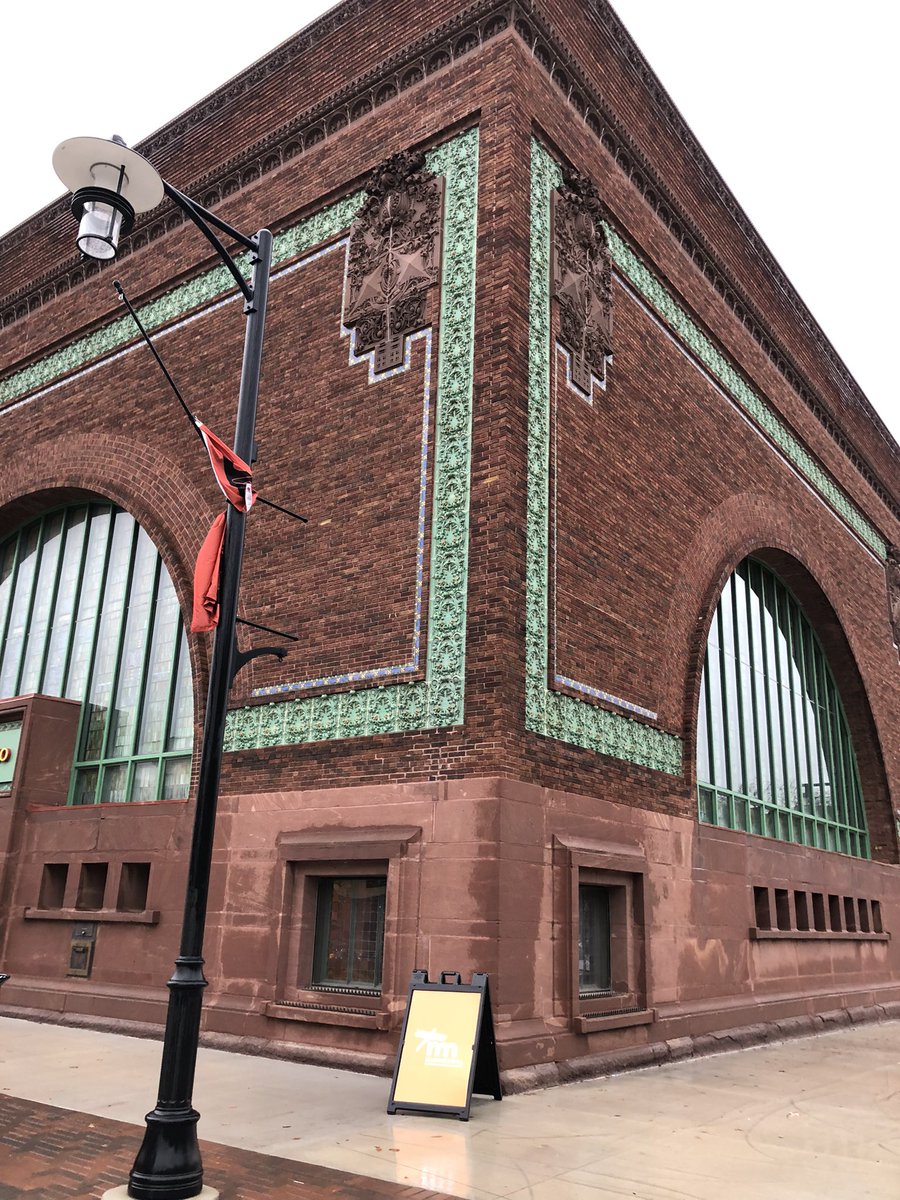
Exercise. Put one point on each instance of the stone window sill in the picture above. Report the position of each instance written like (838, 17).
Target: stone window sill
(326, 1014)
(613, 1020)
(815, 935)
(149, 916)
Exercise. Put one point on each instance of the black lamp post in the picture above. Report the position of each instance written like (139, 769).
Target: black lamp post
(111, 183)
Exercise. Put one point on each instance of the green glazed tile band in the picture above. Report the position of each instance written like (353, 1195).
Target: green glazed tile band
(438, 699)
(556, 714)
(393, 708)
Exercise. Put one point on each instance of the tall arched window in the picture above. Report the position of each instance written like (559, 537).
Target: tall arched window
(774, 754)
(88, 611)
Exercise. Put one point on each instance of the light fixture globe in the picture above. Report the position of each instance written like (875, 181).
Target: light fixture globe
(110, 183)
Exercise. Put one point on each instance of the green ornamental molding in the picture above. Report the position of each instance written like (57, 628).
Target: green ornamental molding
(555, 714)
(393, 708)
(198, 291)
(438, 699)
(692, 337)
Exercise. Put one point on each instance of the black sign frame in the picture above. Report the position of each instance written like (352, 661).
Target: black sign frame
(484, 1069)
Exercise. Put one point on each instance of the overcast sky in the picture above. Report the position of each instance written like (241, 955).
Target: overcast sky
(795, 101)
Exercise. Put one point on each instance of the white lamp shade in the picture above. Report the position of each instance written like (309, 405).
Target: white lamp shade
(97, 162)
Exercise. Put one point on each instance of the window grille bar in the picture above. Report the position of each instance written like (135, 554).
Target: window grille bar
(14, 577)
(94, 636)
(73, 522)
(29, 608)
(51, 604)
(786, 715)
(754, 694)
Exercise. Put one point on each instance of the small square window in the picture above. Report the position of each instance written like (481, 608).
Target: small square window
(134, 883)
(349, 943)
(92, 886)
(53, 885)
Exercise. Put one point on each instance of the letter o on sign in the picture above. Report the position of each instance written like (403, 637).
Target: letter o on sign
(5, 754)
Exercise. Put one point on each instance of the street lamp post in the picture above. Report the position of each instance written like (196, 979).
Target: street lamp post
(111, 183)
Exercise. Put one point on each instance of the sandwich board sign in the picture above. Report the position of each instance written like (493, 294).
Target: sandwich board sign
(447, 1048)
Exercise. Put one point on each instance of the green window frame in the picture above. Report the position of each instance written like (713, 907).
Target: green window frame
(349, 946)
(88, 612)
(774, 752)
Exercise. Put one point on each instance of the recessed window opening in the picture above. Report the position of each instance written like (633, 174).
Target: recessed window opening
(88, 611)
(53, 885)
(782, 909)
(801, 910)
(864, 924)
(761, 908)
(818, 906)
(834, 914)
(850, 914)
(774, 754)
(594, 940)
(877, 926)
(134, 882)
(349, 944)
(92, 886)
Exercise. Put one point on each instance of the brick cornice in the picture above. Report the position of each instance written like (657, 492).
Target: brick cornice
(455, 38)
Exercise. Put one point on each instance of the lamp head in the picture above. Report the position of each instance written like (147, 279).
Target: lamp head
(110, 183)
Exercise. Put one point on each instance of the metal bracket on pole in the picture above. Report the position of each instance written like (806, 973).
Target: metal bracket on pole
(240, 658)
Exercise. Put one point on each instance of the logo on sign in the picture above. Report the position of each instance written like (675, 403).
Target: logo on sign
(437, 1049)
(5, 754)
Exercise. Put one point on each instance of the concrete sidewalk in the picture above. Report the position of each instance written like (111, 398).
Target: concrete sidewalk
(811, 1119)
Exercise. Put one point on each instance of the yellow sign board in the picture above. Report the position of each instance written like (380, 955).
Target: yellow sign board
(447, 1047)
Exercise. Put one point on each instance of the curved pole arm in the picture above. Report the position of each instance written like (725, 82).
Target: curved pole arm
(203, 218)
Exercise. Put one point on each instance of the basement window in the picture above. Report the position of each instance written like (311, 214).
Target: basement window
(349, 947)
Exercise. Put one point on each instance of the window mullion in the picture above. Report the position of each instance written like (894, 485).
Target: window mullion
(739, 694)
(120, 644)
(723, 708)
(76, 602)
(819, 718)
(34, 588)
(786, 602)
(767, 691)
(840, 730)
(754, 693)
(805, 704)
(784, 801)
(89, 674)
(351, 936)
(710, 740)
(51, 610)
(14, 579)
(145, 664)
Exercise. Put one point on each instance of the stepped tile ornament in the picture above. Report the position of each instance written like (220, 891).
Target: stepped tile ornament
(398, 707)
(394, 258)
(551, 713)
(892, 575)
(582, 278)
(437, 700)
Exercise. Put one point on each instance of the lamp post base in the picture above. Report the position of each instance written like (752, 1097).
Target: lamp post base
(121, 1193)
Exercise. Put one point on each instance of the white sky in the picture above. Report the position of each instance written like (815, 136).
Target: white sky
(795, 101)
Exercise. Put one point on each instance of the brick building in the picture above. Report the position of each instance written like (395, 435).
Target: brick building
(597, 682)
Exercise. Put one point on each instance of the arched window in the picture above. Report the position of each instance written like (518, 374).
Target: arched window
(774, 754)
(88, 611)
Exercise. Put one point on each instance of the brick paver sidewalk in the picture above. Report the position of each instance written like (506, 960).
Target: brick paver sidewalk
(54, 1154)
